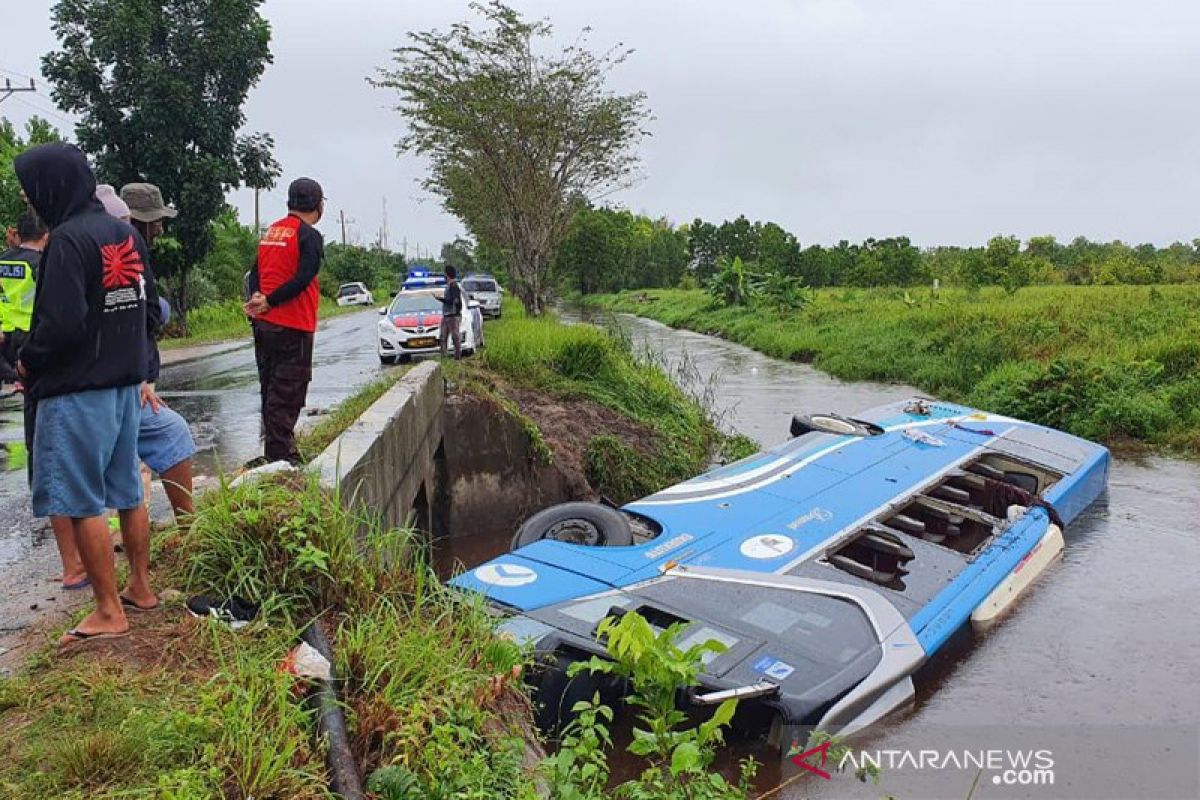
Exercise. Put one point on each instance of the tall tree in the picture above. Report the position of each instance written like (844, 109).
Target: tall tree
(458, 254)
(12, 144)
(160, 87)
(517, 138)
(259, 169)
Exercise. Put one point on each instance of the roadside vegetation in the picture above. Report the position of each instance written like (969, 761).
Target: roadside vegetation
(188, 709)
(1120, 364)
(572, 362)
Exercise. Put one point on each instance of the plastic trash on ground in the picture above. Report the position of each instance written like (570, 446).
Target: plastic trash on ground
(306, 661)
(274, 468)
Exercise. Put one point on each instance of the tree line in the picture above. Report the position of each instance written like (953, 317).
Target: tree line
(610, 250)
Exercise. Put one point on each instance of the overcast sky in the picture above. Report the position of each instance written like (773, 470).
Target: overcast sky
(945, 120)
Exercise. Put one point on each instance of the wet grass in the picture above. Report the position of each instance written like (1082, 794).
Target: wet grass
(1118, 364)
(582, 361)
(187, 709)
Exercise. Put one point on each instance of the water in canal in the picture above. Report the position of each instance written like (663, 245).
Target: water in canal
(1100, 660)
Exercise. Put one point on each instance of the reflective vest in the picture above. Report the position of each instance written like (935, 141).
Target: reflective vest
(278, 260)
(16, 290)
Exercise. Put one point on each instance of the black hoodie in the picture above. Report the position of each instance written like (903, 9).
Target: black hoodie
(90, 308)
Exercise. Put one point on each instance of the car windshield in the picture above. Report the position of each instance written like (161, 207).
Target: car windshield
(349, 289)
(479, 285)
(412, 303)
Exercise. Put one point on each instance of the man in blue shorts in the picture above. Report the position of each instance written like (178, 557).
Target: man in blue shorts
(83, 363)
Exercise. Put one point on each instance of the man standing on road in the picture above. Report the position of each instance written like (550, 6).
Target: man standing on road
(18, 280)
(284, 297)
(452, 305)
(18, 273)
(83, 364)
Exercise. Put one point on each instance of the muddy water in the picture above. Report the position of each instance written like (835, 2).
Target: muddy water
(1102, 656)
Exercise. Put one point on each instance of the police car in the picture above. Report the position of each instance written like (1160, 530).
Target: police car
(410, 325)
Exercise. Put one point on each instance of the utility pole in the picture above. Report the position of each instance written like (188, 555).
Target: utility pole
(257, 224)
(9, 90)
(383, 232)
(344, 222)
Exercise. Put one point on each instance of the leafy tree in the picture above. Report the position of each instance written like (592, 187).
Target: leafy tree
(516, 138)
(703, 249)
(458, 254)
(234, 249)
(259, 169)
(1001, 257)
(160, 88)
(37, 131)
(738, 239)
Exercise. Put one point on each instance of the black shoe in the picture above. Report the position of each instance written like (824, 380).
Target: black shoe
(235, 612)
(256, 462)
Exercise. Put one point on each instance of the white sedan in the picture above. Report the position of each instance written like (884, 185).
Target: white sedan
(410, 326)
(354, 294)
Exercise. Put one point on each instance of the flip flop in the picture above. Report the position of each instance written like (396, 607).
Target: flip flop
(83, 584)
(76, 636)
(132, 606)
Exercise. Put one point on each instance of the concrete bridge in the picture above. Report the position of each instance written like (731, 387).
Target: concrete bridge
(392, 458)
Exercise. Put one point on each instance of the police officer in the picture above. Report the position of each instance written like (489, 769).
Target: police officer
(18, 275)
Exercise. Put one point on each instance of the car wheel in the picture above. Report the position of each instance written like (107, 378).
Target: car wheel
(588, 524)
(387, 360)
(404, 358)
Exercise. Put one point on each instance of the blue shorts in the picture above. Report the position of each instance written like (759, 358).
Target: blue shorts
(164, 439)
(85, 453)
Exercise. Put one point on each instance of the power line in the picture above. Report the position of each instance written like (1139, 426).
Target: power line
(16, 74)
(45, 111)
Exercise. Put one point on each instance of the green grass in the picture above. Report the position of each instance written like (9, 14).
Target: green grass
(220, 322)
(1119, 364)
(190, 710)
(582, 361)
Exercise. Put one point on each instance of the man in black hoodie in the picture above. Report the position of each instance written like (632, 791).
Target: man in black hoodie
(83, 363)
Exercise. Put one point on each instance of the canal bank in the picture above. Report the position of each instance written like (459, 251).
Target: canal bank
(1102, 652)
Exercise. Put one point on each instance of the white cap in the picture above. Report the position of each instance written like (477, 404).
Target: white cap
(113, 204)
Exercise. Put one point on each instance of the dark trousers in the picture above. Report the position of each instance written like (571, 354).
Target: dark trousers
(13, 340)
(284, 358)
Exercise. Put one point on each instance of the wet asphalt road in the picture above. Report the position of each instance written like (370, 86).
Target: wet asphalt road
(217, 392)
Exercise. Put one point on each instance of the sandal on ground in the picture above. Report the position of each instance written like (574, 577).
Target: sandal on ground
(132, 606)
(82, 584)
(76, 636)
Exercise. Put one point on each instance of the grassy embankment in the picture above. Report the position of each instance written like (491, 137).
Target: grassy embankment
(1120, 364)
(186, 709)
(584, 363)
(223, 321)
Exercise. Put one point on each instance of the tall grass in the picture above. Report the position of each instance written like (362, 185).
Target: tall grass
(1115, 363)
(587, 362)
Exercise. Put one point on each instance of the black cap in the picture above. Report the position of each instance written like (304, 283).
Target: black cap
(305, 194)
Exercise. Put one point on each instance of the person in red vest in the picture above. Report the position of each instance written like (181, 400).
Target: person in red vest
(283, 308)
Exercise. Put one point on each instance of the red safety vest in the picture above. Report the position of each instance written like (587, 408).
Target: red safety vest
(278, 260)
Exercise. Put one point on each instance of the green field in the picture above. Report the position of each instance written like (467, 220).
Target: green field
(1119, 364)
(219, 322)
